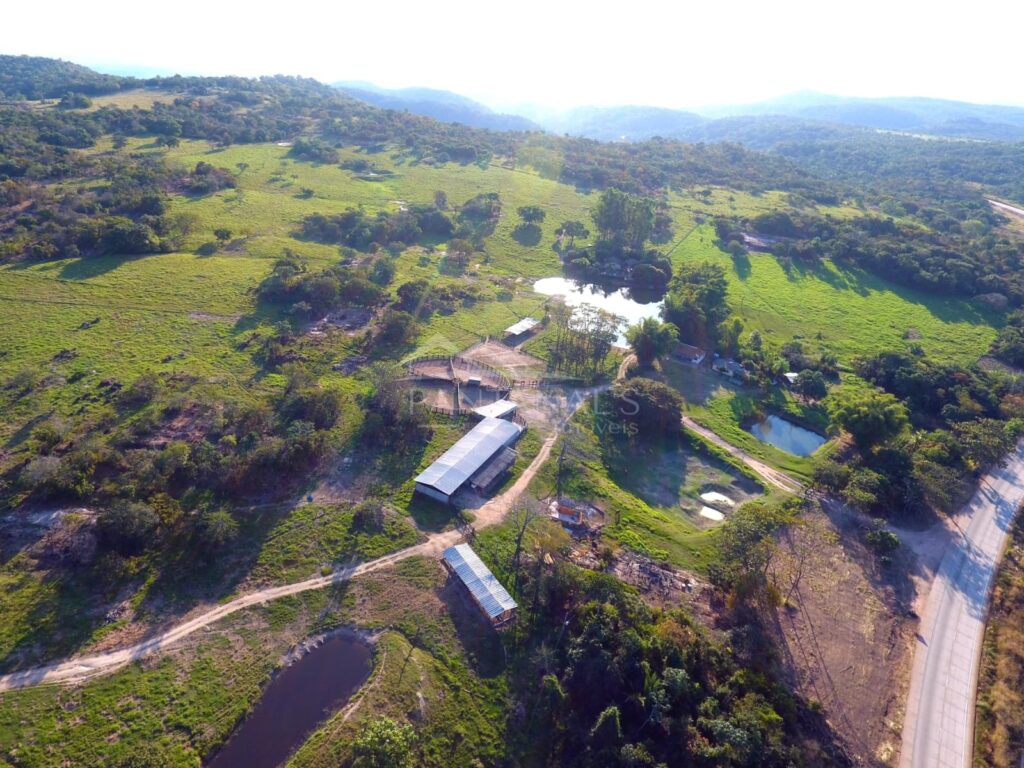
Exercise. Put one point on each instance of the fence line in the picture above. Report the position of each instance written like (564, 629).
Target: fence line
(504, 381)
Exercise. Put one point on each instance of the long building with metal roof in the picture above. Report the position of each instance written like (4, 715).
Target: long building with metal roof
(468, 456)
(485, 589)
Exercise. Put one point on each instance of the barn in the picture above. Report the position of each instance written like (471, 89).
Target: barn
(490, 440)
(487, 592)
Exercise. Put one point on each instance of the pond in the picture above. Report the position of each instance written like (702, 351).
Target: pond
(787, 436)
(619, 302)
(296, 702)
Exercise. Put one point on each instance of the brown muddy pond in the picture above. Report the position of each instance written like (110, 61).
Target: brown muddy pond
(295, 702)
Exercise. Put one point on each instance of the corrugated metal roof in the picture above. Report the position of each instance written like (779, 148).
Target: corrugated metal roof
(524, 325)
(463, 459)
(477, 577)
(486, 476)
(497, 409)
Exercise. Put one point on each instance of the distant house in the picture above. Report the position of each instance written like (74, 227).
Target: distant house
(687, 353)
(487, 592)
(465, 461)
(729, 367)
(791, 378)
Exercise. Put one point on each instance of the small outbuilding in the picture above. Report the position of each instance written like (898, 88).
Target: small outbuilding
(791, 378)
(730, 368)
(499, 409)
(687, 353)
(523, 326)
(487, 592)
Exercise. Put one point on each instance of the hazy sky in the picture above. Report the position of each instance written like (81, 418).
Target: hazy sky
(557, 53)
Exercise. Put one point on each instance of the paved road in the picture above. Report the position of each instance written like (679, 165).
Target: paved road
(938, 729)
(80, 668)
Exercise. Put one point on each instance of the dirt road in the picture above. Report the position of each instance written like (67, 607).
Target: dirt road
(938, 729)
(1007, 208)
(770, 475)
(77, 669)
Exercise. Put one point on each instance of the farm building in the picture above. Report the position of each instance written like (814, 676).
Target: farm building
(487, 592)
(687, 353)
(499, 409)
(523, 326)
(791, 378)
(730, 368)
(466, 461)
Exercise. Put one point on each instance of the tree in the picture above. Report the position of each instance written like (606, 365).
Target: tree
(650, 339)
(441, 200)
(811, 384)
(648, 409)
(127, 526)
(871, 417)
(696, 302)
(522, 517)
(222, 235)
(396, 328)
(746, 544)
(619, 214)
(383, 743)
(583, 336)
(986, 442)
(531, 214)
(729, 333)
(460, 251)
(218, 529)
(572, 230)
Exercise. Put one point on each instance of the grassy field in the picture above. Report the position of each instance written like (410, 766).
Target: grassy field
(143, 98)
(847, 312)
(49, 613)
(727, 409)
(177, 708)
(650, 492)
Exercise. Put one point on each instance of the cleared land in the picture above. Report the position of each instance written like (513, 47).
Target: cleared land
(77, 324)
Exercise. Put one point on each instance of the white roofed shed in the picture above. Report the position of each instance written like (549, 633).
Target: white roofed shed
(485, 589)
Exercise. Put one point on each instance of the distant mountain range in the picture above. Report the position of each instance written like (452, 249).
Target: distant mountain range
(441, 105)
(757, 124)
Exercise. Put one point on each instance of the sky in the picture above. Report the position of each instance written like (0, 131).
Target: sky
(556, 53)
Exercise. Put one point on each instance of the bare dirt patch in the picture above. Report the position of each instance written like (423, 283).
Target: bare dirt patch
(518, 365)
(659, 583)
(846, 630)
(187, 426)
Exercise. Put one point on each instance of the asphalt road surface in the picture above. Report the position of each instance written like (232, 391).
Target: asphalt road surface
(938, 729)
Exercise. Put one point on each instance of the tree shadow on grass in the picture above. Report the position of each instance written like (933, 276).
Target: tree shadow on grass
(644, 471)
(58, 624)
(481, 643)
(528, 235)
(95, 266)
(741, 265)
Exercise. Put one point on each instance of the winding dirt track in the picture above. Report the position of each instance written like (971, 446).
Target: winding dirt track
(80, 668)
(770, 475)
